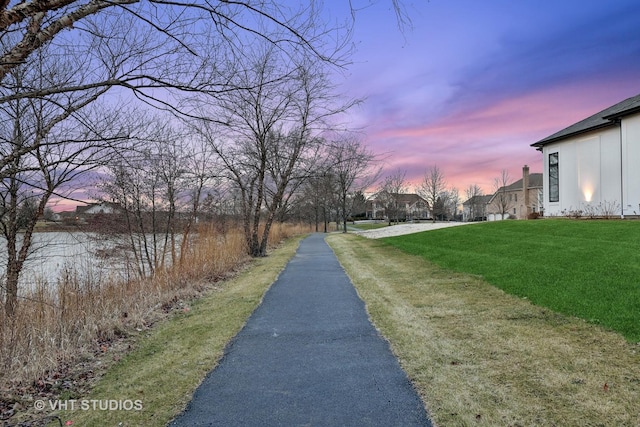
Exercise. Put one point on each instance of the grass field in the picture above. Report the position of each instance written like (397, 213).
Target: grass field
(587, 269)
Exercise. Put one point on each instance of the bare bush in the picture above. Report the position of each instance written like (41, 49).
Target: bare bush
(603, 210)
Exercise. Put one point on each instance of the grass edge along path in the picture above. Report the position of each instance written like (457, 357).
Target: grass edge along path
(162, 372)
(480, 357)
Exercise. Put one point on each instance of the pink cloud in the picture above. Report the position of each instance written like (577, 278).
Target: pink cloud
(472, 145)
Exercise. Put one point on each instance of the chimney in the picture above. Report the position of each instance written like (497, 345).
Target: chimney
(525, 189)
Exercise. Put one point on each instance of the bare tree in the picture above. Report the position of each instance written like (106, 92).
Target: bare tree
(46, 145)
(267, 132)
(390, 192)
(157, 188)
(358, 205)
(474, 200)
(433, 184)
(52, 136)
(353, 168)
(159, 44)
(199, 174)
(318, 194)
(501, 199)
(452, 203)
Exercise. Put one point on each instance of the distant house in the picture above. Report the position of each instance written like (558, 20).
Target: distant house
(105, 208)
(517, 200)
(593, 164)
(475, 208)
(410, 207)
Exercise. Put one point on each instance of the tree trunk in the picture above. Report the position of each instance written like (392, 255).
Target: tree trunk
(344, 212)
(16, 258)
(262, 250)
(11, 283)
(317, 214)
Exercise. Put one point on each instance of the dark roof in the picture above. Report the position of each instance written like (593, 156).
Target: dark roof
(604, 118)
(479, 200)
(410, 198)
(535, 181)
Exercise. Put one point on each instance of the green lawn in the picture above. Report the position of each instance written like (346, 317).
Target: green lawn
(589, 269)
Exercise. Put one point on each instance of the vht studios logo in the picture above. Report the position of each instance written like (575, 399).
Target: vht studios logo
(89, 405)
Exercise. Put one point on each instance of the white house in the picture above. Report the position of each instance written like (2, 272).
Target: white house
(593, 165)
(96, 208)
(410, 206)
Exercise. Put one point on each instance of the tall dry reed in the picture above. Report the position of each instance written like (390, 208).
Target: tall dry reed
(82, 312)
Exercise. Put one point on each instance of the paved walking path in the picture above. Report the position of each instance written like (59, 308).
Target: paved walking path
(308, 356)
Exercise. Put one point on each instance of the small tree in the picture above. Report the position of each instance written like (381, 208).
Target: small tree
(452, 200)
(501, 199)
(440, 209)
(433, 184)
(353, 170)
(318, 195)
(474, 201)
(389, 194)
(359, 205)
(157, 188)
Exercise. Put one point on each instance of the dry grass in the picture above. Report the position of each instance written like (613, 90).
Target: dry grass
(57, 328)
(480, 357)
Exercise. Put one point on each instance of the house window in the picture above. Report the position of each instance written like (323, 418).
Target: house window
(554, 184)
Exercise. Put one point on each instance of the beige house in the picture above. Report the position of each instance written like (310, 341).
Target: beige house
(518, 200)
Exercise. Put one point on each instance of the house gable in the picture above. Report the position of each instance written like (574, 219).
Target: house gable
(590, 167)
(535, 181)
(605, 118)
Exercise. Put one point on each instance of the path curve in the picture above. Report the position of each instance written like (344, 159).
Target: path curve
(401, 229)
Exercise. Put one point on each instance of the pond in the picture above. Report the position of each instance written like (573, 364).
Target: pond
(54, 252)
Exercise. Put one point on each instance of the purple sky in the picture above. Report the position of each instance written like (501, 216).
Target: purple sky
(474, 83)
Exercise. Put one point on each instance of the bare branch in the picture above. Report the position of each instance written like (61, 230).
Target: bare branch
(36, 38)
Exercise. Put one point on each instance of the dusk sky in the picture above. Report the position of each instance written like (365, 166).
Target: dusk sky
(473, 83)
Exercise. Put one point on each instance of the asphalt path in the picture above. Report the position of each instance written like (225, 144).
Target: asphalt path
(308, 356)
